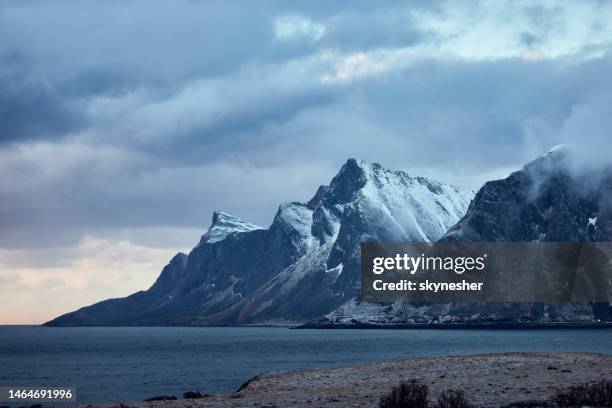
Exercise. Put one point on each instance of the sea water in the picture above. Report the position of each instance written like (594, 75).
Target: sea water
(112, 364)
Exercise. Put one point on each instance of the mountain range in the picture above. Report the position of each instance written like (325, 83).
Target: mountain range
(551, 199)
(305, 266)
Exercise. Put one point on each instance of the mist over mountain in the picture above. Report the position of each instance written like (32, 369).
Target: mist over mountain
(305, 265)
(548, 200)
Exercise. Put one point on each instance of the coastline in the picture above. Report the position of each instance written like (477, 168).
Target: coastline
(452, 326)
(489, 380)
(385, 326)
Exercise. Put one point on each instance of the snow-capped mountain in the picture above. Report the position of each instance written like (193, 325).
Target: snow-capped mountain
(224, 224)
(305, 265)
(551, 199)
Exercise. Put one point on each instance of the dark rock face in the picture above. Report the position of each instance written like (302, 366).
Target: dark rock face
(303, 266)
(542, 202)
(546, 201)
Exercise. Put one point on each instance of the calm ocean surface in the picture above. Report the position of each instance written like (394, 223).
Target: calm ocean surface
(122, 364)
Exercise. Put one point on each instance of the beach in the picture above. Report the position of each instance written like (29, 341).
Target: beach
(488, 380)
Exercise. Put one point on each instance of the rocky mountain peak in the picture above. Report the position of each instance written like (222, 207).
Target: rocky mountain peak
(224, 224)
(351, 178)
(555, 161)
(295, 216)
(547, 200)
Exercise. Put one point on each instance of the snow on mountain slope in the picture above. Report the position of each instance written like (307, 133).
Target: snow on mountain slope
(224, 224)
(421, 209)
(306, 264)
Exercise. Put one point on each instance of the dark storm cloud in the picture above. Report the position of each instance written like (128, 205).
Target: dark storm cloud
(33, 112)
(54, 55)
(132, 115)
(30, 110)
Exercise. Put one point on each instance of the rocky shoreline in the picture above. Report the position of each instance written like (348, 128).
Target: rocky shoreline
(451, 326)
(488, 380)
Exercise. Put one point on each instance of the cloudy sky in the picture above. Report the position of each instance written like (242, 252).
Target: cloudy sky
(124, 124)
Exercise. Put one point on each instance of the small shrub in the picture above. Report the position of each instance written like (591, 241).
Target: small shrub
(594, 395)
(452, 399)
(409, 394)
(192, 395)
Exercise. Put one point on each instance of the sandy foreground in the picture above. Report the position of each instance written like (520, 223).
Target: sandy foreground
(489, 380)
